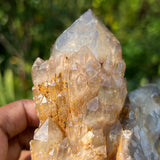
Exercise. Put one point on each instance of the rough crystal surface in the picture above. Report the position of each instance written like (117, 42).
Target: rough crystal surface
(79, 93)
(144, 122)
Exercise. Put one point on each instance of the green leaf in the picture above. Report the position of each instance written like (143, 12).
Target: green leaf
(9, 85)
(2, 95)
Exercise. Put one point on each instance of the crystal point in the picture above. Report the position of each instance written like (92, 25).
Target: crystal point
(79, 93)
(88, 31)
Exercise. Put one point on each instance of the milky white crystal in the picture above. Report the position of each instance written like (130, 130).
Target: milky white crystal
(144, 122)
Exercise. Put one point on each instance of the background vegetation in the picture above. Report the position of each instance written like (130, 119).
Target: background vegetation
(28, 28)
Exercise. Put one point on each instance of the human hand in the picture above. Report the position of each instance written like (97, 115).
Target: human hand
(17, 123)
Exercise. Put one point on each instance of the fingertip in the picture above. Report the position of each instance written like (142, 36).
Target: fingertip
(17, 116)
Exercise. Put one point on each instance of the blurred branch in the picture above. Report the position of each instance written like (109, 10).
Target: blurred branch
(8, 46)
(13, 51)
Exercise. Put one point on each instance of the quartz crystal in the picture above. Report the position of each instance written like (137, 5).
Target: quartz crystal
(79, 93)
(143, 119)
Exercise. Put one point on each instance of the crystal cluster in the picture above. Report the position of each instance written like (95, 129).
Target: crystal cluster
(143, 119)
(79, 95)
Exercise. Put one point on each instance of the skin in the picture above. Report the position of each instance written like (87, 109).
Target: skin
(18, 121)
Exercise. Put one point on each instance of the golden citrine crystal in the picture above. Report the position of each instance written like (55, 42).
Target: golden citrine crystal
(79, 93)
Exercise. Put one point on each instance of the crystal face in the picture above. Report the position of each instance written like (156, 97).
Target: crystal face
(144, 121)
(79, 93)
(90, 32)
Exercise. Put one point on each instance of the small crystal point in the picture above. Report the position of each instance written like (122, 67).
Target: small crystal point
(42, 133)
(123, 152)
(79, 93)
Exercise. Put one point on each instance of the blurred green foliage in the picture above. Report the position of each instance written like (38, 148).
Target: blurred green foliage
(28, 28)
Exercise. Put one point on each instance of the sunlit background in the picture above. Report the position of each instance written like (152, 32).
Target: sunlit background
(28, 28)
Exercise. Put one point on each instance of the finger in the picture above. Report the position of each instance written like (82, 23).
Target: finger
(14, 149)
(25, 137)
(14, 118)
(25, 155)
(17, 116)
(18, 143)
(3, 145)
